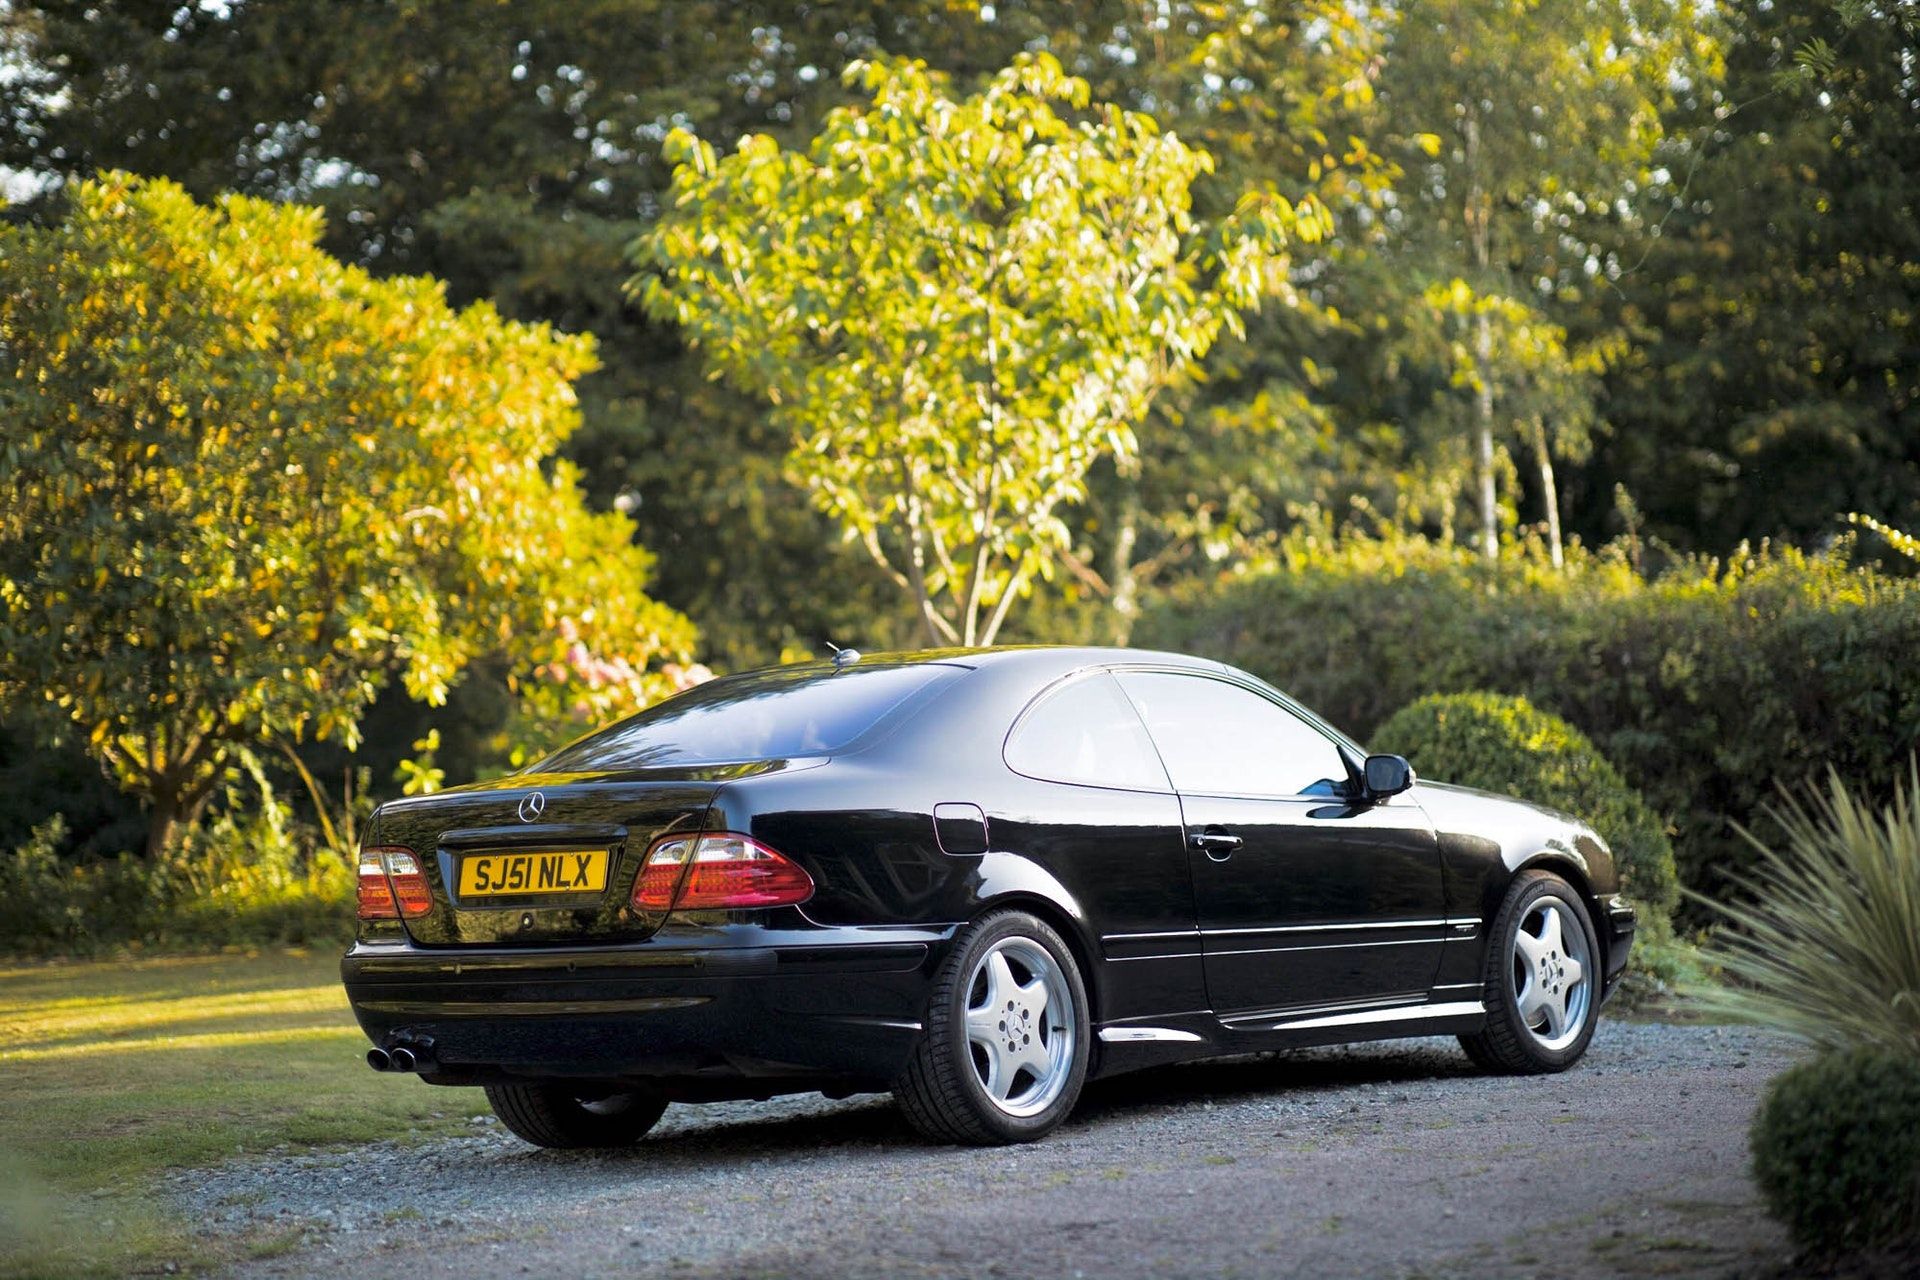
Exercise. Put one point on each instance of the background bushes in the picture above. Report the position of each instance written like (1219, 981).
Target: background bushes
(1836, 1148)
(250, 876)
(1506, 744)
(1704, 684)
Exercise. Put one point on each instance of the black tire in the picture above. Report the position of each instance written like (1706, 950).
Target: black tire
(1506, 1044)
(941, 1091)
(548, 1114)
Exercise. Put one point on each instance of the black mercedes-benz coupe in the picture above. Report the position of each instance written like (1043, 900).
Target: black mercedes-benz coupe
(973, 877)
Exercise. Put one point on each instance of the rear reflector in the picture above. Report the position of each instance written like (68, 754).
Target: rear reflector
(392, 885)
(727, 871)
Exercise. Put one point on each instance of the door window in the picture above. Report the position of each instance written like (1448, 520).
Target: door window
(1218, 738)
(1086, 732)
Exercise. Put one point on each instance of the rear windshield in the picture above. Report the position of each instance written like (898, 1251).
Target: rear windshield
(802, 710)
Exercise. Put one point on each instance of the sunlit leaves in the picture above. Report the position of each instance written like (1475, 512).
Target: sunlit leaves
(246, 481)
(956, 306)
(1905, 543)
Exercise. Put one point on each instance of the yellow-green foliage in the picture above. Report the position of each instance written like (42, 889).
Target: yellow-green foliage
(1703, 684)
(1506, 745)
(956, 305)
(1900, 540)
(245, 481)
(1825, 941)
(1836, 1148)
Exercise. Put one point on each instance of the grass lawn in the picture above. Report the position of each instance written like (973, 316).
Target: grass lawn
(113, 1072)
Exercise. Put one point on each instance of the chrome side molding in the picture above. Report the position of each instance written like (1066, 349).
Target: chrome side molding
(1135, 1035)
(1370, 1017)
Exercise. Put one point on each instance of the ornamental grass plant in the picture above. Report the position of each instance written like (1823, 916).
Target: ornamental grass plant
(1824, 940)
(1824, 943)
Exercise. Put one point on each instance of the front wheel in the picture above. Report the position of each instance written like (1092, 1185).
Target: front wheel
(1007, 1040)
(565, 1117)
(1542, 980)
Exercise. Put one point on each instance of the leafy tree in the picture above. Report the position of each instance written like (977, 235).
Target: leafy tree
(1281, 93)
(956, 306)
(513, 150)
(245, 480)
(1540, 107)
(1772, 382)
(1510, 355)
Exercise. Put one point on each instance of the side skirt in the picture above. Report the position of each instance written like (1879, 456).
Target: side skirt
(1149, 1042)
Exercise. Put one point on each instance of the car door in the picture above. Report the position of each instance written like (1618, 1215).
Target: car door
(1090, 801)
(1306, 899)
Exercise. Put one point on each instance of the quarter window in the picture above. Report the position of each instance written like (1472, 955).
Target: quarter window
(1086, 732)
(1218, 738)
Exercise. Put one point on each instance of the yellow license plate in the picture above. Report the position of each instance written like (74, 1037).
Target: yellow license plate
(487, 875)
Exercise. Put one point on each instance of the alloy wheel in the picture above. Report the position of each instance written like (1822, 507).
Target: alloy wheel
(1020, 1031)
(1551, 971)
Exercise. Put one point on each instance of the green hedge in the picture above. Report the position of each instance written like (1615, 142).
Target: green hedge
(1504, 744)
(1836, 1149)
(1705, 685)
(250, 879)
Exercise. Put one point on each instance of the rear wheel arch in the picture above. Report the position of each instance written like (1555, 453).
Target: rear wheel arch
(958, 1085)
(1072, 931)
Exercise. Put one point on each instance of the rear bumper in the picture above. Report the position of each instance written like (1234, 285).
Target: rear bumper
(1617, 927)
(732, 1004)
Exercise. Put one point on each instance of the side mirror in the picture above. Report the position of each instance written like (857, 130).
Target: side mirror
(1387, 776)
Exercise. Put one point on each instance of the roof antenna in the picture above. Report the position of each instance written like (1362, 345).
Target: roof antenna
(843, 657)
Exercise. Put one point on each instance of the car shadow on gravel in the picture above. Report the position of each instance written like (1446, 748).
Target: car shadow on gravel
(871, 1121)
(1272, 1075)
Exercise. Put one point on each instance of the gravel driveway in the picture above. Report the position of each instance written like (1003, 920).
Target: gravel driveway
(1392, 1159)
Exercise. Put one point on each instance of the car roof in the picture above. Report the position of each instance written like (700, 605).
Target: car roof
(1038, 659)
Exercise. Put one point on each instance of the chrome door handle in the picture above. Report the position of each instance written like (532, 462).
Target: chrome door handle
(1215, 843)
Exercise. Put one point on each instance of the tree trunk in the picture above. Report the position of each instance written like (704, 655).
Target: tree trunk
(1478, 223)
(1483, 445)
(1126, 583)
(163, 821)
(1549, 492)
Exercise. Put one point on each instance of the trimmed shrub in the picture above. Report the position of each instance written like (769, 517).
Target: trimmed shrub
(1703, 684)
(1504, 744)
(1836, 1148)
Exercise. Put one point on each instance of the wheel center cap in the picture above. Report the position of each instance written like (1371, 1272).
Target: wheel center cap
(1019, 1027)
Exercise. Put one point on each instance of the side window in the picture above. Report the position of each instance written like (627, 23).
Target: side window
(1086, 732)
(1220, 739)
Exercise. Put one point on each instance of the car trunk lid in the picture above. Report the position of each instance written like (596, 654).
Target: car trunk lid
(544, 859)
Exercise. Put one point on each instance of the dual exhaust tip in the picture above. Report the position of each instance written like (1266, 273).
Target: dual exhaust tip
(401, 1057)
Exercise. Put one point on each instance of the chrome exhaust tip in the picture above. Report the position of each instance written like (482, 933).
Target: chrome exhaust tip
(379, 1059)
(402, 1059)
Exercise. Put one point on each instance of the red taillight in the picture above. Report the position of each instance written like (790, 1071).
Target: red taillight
(376, 895)
(392, 885)
(728, 871)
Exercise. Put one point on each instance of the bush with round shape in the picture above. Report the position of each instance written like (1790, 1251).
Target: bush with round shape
(1836, 1149)
(1503, 744)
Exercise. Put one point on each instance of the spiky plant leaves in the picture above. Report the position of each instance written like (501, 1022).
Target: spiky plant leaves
(1825, 941)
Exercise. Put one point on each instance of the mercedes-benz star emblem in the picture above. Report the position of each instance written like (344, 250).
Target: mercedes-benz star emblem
(532, 805)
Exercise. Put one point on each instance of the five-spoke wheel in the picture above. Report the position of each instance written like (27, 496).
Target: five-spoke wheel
(1020, 1026)
(1541, 978)
(1551, 963)
(1007, 1044)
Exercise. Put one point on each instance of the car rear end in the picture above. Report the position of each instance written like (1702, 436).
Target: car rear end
(599, 920)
